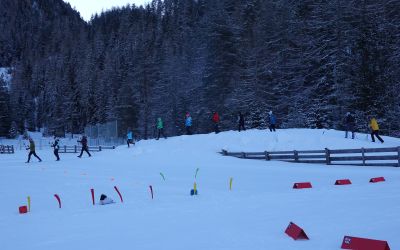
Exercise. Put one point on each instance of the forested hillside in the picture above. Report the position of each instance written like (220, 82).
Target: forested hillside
(310, 61)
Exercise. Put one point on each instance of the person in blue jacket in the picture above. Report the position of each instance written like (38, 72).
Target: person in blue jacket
(272, 121)
(129, 136)
(188, 124)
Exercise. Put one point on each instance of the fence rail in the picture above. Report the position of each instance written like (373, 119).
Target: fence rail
(375, 157)
(7, 149)
(76, 149)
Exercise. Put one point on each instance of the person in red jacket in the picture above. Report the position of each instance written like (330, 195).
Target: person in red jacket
(215, 119)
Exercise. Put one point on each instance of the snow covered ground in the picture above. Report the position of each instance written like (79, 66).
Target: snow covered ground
(254, 215)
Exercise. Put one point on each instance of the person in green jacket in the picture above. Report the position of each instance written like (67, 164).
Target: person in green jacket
(32, 150)
(160, 128)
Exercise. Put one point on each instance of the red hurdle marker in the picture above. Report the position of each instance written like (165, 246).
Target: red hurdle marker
(377, 179)
(350, 242)
(343, 182)
(296, 232)
(301, 185)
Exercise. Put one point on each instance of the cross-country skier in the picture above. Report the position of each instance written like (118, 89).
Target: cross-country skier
(85, 147)
(160, 128)
(188, 124)
(272, 121)
(350, 124)
(32, 150)
(241, 121)
(56, 148)
(215, 119)
(375, 130)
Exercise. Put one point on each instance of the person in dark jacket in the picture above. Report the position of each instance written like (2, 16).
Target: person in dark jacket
(215, 119)
(350, 124)
(32, 150)
(85, 147)
(56, 148)
(241, 121)
(272, 121)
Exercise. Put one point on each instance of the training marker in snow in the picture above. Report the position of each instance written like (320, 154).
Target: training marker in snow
(230, 183)
(29, 203)
(92, 191)
(301, 185)
(296, 232)
(350, 242)
(162, 175)
(151, 191)
(58, 199)
(343, 182)
(120, 196)
(197, 170)
(23, 209)
(377, 179)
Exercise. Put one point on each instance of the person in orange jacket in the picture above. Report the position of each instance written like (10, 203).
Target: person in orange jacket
(373, 124)
(215, 119)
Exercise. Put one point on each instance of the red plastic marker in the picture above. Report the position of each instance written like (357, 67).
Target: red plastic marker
(300, 185)
(120, 196)
(23, 209)
(350, 242)
(58, 199)
(92, 191)
(296, 232)
(343, 182)
(377, 179)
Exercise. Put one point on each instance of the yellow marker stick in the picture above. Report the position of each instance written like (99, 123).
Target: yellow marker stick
(230, 183)
(29, 203)
(194, 187)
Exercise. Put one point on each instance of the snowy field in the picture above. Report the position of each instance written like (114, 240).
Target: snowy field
(253, 215)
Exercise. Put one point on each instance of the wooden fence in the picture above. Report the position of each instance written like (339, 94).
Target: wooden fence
(361, 157)
(6, 149)
(77, 149)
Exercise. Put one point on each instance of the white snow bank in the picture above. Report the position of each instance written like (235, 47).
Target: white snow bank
(253, 215)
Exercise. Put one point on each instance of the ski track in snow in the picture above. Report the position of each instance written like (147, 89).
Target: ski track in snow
(254, 215)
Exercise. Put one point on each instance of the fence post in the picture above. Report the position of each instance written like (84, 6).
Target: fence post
(398, 156)
(65, 148)
(243, 155)
(75, 148)
(327, 156)
(296, 155)
(363, 155)
(12, 149)
(99, 148)
(267, 156)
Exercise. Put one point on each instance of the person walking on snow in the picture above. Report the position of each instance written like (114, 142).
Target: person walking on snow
(241, 121)
(188, 124)
(129, 137)
(375, 130)
(56, 148)
(85, 147)
(215, 119)
(272, 121)
(160, 128)
(350, 124)
(32, 150)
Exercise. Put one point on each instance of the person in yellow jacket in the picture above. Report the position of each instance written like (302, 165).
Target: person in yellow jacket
(373, 124)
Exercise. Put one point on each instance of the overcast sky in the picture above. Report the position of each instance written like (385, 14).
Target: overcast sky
(87, 8)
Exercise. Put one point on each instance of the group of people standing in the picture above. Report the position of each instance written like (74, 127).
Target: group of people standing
(56, 146)
(350, 126)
